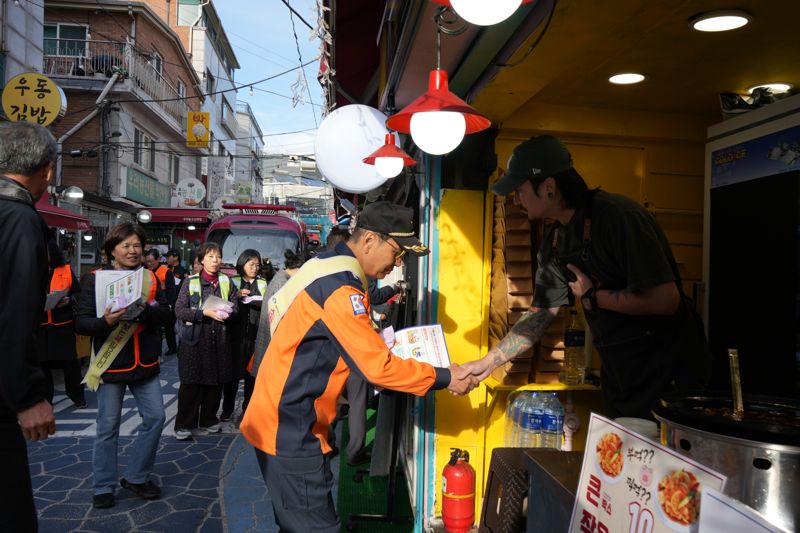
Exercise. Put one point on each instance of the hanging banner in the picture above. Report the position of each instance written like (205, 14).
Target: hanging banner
(630, 483)
(216, 178)
(198, 129)
(32, 97)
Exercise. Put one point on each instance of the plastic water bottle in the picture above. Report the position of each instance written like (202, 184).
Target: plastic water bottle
(553, 422)
(512, 419)
(530, 422)
(574, 351)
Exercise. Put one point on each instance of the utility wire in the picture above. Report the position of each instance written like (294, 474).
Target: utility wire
(310, 27)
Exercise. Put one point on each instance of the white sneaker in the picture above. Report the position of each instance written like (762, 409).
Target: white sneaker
(183, 434)
(215, 428)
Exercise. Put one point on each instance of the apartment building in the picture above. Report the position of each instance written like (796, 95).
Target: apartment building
(249, 149)
(200, 29)
(129, 86)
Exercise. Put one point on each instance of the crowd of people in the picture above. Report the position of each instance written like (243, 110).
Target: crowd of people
(300, 336)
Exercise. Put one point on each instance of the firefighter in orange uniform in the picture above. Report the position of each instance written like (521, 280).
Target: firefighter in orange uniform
(56, 336)
(321, 331)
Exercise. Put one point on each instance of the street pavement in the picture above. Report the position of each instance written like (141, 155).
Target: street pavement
(211, 483)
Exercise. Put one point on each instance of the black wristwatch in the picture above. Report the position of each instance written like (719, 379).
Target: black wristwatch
(589, 300)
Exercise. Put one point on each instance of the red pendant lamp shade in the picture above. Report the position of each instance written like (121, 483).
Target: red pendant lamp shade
(389, 149)
(438, 98)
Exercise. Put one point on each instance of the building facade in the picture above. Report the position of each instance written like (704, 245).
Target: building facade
(200, 29)
(129, 86)
(249, 149)
(21, 37)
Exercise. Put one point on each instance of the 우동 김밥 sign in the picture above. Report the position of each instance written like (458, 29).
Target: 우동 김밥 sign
(631, 483)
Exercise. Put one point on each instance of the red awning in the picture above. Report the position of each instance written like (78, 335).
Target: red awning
(180, 216)
(57, 217)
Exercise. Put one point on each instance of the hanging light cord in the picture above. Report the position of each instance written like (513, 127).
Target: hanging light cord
(535, 43)
(445, 21)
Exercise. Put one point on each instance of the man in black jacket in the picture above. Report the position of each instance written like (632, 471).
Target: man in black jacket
(27, 163)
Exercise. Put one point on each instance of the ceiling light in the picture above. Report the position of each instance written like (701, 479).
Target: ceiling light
(627, 78)
(191, 227)
(389, 160)
(438, 120)
(88, 237)
(183, 241)
(720, 20)
(774, 88)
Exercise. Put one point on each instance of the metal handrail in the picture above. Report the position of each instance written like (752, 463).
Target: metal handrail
(86, 57)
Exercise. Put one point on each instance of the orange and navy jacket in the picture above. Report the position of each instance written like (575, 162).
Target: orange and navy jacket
(324, 335)
(61, 279)
(138, 359)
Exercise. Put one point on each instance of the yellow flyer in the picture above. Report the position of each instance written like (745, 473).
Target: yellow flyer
(630, 483)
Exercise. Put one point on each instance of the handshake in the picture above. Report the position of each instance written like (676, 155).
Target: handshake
(464, 378)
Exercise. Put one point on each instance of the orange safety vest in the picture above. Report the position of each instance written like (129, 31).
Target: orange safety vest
(136, 361)
(61, 280)
(161, 274)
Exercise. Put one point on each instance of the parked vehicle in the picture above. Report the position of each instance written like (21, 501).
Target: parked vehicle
(269, 229)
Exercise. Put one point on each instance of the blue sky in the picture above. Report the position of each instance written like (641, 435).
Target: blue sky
(260, 32)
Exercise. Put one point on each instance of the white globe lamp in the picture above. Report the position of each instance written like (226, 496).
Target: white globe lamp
(485, 12)
(438, 132)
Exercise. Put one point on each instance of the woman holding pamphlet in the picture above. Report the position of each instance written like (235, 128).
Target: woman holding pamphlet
(56, 336)
(252, 289)
(206, 305)
(123, 309)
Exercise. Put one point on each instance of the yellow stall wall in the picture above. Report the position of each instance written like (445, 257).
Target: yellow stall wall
(656, 159)
(462, 308)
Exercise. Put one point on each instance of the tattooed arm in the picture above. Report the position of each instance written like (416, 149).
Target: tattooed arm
(523, 335)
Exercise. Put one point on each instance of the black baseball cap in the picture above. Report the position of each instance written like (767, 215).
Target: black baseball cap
(395, 221)
(171, 252)
(541, 157)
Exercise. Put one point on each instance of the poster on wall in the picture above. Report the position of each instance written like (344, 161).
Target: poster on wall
(631, 483)
(189, 192)
(242, 192)
(768, 155)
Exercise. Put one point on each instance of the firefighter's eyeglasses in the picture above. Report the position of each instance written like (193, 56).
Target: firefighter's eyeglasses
(399, 251)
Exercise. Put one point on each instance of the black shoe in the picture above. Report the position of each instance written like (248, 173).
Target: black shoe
(80, 405)
(361, 458)
(147, 490)
(103, 501)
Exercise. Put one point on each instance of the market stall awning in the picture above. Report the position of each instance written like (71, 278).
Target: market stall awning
(179, 216)
(58, 217)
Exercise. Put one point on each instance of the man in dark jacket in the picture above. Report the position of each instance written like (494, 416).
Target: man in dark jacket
(27, 164)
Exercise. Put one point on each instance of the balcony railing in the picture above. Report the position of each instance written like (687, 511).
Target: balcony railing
(82, 58)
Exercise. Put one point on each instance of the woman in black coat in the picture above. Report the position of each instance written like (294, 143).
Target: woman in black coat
(249, 284)
(56, 336)
(204, 355)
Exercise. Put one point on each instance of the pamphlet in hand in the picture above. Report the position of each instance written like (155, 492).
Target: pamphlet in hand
(253, 298)
(423, 343)
(223, 307)
(118, 289)
(53, 298)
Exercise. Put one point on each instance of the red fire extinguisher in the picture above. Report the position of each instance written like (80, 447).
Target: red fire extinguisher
(458, 493)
